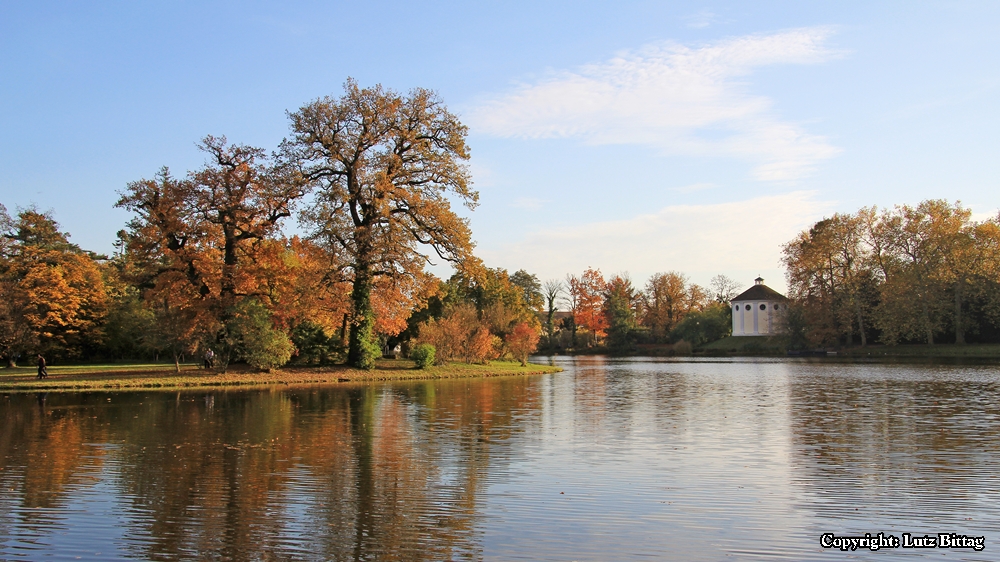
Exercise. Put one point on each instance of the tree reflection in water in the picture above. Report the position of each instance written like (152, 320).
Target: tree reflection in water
(341, 474)
(638, 458)
(893, 443)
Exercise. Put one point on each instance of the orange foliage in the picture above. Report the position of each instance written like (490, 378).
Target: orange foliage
(394, 299)
(588, 293)
(460, 333)
(522, 340)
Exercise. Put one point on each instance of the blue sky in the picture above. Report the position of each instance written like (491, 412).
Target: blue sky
(630, 136)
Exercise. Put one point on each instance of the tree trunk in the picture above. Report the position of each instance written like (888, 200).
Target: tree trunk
(850, 331)
(959, 327)
(548, 325)
(362, 349)
(177, 362)
(343, 330)
(861, 323)
(927, 321)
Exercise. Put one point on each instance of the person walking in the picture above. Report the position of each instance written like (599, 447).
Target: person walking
(43, 370)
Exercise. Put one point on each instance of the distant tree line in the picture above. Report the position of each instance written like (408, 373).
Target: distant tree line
(911, 274)
(588, 310)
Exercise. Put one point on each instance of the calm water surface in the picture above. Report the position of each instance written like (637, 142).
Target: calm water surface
(639, 459)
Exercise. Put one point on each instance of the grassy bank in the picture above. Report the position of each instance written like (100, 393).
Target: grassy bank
(763, 345)
(125, 377)
(945, 350)
(744, 345)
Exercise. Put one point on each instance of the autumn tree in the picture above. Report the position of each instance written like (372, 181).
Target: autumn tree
(382, 165)
(16, 334)
(461, 334)
(241, 197)
(587, 294)
(571, 299)
(193, 241)
(473, 313)
(830, 273)
(668, 298)
(54, 291)
(908, 274)
(521, 341)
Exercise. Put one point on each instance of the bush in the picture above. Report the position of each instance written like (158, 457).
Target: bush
(255, 339)
(314, 346)
(454, 335)
(705, 326)
(423, 355)
(682, 348)
(268, 350)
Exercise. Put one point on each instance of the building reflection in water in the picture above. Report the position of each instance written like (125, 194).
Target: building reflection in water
(895, 441)
(612, 459)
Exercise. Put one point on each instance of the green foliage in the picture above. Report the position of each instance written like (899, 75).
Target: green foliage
(531, 288)
(619, 307)
(129, 326)
(795, 327)
(256, 340)
(498, 300)
(423, 355)
(313, 345)
(701, 327)
(363, 346)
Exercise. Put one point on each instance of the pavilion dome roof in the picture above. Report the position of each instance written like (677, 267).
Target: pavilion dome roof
(760, 292)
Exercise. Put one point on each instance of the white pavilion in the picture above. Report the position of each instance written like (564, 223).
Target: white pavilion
(756, 311)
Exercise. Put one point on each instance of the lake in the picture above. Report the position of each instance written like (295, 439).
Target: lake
(612, 459)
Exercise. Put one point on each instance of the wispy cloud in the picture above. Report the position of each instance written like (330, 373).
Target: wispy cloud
(742, 236)
(528, 203)
(681, 99)
(702, 19)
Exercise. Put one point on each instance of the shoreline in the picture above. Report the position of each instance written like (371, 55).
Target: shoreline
(85, 378)
(764, 346)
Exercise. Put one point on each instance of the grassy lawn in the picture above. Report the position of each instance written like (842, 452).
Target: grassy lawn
(123, 377)
(745, 345)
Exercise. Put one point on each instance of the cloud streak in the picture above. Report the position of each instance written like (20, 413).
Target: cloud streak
(679, 99)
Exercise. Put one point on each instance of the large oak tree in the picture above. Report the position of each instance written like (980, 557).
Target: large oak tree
(194, 245)
(383, 165)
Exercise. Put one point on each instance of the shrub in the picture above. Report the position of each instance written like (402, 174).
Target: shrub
(255, 339)
(682, 348)
(451, 333)
(314, 346)
(423, 355)
(705, 326)
(268, 350)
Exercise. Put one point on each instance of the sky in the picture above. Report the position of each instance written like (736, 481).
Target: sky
(633, 137)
